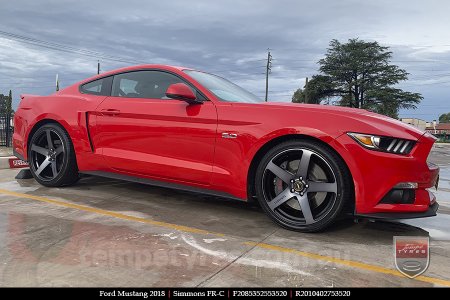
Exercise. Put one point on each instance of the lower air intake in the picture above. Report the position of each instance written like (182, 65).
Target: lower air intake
(399, 196)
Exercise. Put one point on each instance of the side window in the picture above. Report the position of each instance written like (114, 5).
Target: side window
(100, 87)
(143, 84)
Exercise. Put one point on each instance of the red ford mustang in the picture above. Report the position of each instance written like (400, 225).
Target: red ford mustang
(177, 127)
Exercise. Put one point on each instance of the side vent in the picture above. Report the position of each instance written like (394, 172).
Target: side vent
(88, 132)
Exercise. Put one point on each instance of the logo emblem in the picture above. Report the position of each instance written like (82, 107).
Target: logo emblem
(227, 135)
(17, 163)
(412, 254)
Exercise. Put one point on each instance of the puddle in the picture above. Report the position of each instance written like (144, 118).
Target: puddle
(21, 186)
(209, 241)
(437, 227)
(3, 226)
(444, 172)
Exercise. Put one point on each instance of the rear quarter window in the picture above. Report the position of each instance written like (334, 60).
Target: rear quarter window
(100, 87)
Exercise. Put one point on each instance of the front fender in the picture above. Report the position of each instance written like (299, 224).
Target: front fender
(299, 131)
(234, 157)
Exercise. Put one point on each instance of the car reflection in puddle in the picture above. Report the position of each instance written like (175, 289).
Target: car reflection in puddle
(41, 246)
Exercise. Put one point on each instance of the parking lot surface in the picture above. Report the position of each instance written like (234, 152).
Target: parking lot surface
(103, 232)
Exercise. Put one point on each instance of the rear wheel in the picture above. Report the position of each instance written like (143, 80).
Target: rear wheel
(51, 156)
(302, 185)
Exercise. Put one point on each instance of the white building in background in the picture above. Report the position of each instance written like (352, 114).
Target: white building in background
(421, 124)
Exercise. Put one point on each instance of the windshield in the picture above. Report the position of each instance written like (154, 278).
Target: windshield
(223, 89)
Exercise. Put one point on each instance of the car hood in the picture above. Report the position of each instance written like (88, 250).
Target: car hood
(356, 120)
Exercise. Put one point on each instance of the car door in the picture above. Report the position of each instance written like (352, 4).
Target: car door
(141, 131)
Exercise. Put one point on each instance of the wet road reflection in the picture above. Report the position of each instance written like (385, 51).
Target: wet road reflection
(49, 245)
(439, 226)
(40, 246)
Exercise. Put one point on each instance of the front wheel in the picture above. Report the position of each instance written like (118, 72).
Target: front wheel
(51, 156)
(303, 185)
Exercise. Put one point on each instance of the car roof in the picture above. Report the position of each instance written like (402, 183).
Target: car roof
(134, 68)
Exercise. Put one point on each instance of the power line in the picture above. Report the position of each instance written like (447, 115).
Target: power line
(387, 45)
(248, 75)
(81, 77)
(236, 69)
(236, 62)
(30, 87)
(64, 48)
(86, 52)
(430, 83)
(394, 60)
(34, 41)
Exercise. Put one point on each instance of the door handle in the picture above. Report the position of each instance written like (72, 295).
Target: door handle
(110, 112)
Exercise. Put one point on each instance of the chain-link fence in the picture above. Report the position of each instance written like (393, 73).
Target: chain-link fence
(6, 130)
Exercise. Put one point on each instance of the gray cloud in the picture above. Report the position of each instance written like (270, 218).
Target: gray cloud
(228, 38)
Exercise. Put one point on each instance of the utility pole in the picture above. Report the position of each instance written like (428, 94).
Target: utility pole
(268, 69)
(98, 67)
(306, 91)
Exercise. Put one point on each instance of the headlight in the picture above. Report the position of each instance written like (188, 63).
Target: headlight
(383, 143)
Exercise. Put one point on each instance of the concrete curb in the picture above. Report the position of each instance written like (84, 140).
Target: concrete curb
(11, 162)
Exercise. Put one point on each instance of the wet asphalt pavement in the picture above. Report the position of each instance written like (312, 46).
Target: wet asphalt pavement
(104, 232)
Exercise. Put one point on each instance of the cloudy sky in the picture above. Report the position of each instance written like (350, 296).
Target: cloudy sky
(229, 37)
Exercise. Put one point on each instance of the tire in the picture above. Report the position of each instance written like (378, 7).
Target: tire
(51, 156)
(303, 185)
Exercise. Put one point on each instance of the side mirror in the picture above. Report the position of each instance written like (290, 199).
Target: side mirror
(181, 91)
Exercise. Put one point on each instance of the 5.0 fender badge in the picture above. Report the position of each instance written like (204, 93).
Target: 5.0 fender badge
(227, 135)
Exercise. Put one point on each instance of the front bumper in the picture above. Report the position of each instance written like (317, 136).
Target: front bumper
(376, 173)
(431, 212)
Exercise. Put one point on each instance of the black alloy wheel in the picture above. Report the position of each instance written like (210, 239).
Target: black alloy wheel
(51, 156)
(303, 185)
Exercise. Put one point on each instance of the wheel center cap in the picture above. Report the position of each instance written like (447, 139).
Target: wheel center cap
(298, 186)
(51, 154)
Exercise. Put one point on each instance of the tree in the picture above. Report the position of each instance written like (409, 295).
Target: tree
(6, 104)
(315, 90)
(299, 96)
(3, 101)
(444, 118)
(9, 103)
(359, 74)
